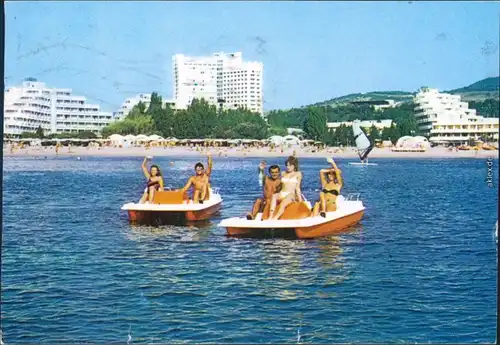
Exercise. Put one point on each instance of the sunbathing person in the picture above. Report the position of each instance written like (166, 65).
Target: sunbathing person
(331, 184)
(155, 182)
(200, 182)
(272, 185)
(290, 188)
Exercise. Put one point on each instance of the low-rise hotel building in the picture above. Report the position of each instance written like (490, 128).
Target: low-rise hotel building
(379, 105)
(33, 105)
(131, 102)
(379, 124)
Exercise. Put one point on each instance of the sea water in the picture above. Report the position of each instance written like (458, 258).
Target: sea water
(420, 267)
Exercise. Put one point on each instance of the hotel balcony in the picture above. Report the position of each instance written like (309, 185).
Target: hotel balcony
(450, 138)
(35, 109)
(462, 130)
(424, 121)
(34, 118)
(80, 127)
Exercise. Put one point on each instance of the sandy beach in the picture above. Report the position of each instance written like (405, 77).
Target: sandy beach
(436, 152)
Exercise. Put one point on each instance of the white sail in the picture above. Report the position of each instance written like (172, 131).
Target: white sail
(363, 143)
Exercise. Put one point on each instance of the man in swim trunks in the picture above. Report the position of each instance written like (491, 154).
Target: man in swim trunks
(272, 184)
(200, 182)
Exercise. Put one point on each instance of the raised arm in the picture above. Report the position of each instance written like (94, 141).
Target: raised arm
(322, 172)
(145, 168)
(209, 166)
(332, 162)
(298, 191)
(262, 175)
(322, 178)
(339, 178)
(338, 171)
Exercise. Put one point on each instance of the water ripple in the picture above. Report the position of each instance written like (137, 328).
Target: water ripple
(421, 267)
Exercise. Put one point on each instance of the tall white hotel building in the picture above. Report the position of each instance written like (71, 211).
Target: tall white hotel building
(222, 76)
(33, 104)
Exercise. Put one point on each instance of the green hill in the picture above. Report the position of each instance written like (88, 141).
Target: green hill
(479, 91)
(485, 85)
(398, 96)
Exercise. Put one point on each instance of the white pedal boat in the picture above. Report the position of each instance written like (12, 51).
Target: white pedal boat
(173, 206)
(297, 219)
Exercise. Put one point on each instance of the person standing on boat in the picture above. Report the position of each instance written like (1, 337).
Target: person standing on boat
(331, 184)
(290, 188)
(155, 181)
(200, 182)
(272, 185)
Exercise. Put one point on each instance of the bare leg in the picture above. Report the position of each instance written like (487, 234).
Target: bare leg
(322, 198)
(315, 210)
(255, 209)
(152, 192)
(204, 192)
(284, 203)
(196, 196)
(144, 198)
(274, 201)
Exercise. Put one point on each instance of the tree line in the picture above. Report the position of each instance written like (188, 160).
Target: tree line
(487, 108)
(403, 124)
(40, 134)
(204, 120)
(200, 120)
(312, 119)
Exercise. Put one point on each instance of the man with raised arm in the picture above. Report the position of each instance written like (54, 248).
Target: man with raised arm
(200, 182)
(272, 185)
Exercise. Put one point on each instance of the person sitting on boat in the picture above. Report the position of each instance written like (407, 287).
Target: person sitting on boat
(155, 182)
(272, 185)
(290, 188)
(331, 184)
(200, 182)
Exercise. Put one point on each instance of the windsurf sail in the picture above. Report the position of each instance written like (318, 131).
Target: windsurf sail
(363, 143)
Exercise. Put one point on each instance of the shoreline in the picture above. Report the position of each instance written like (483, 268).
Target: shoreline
(249, 153)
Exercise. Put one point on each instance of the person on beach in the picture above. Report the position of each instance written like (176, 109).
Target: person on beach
(272, 185)
(290, 188)
(200, 182)
(154, 183)
(331, 184)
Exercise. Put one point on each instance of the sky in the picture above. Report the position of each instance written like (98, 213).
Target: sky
(312, 51)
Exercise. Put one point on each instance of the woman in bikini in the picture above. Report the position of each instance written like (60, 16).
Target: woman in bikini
(331, 183)
(155, 182)
(290, 188)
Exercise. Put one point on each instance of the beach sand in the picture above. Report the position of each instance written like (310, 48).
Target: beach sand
(435, 152)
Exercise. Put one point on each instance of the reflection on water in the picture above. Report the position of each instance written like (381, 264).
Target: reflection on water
(190, 232)
(75, 270)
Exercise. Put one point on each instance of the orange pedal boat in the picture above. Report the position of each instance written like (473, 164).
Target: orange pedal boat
(172, 207)
(297, 220)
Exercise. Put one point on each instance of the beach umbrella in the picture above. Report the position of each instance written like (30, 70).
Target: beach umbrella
(155, 137)
(116, 137)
